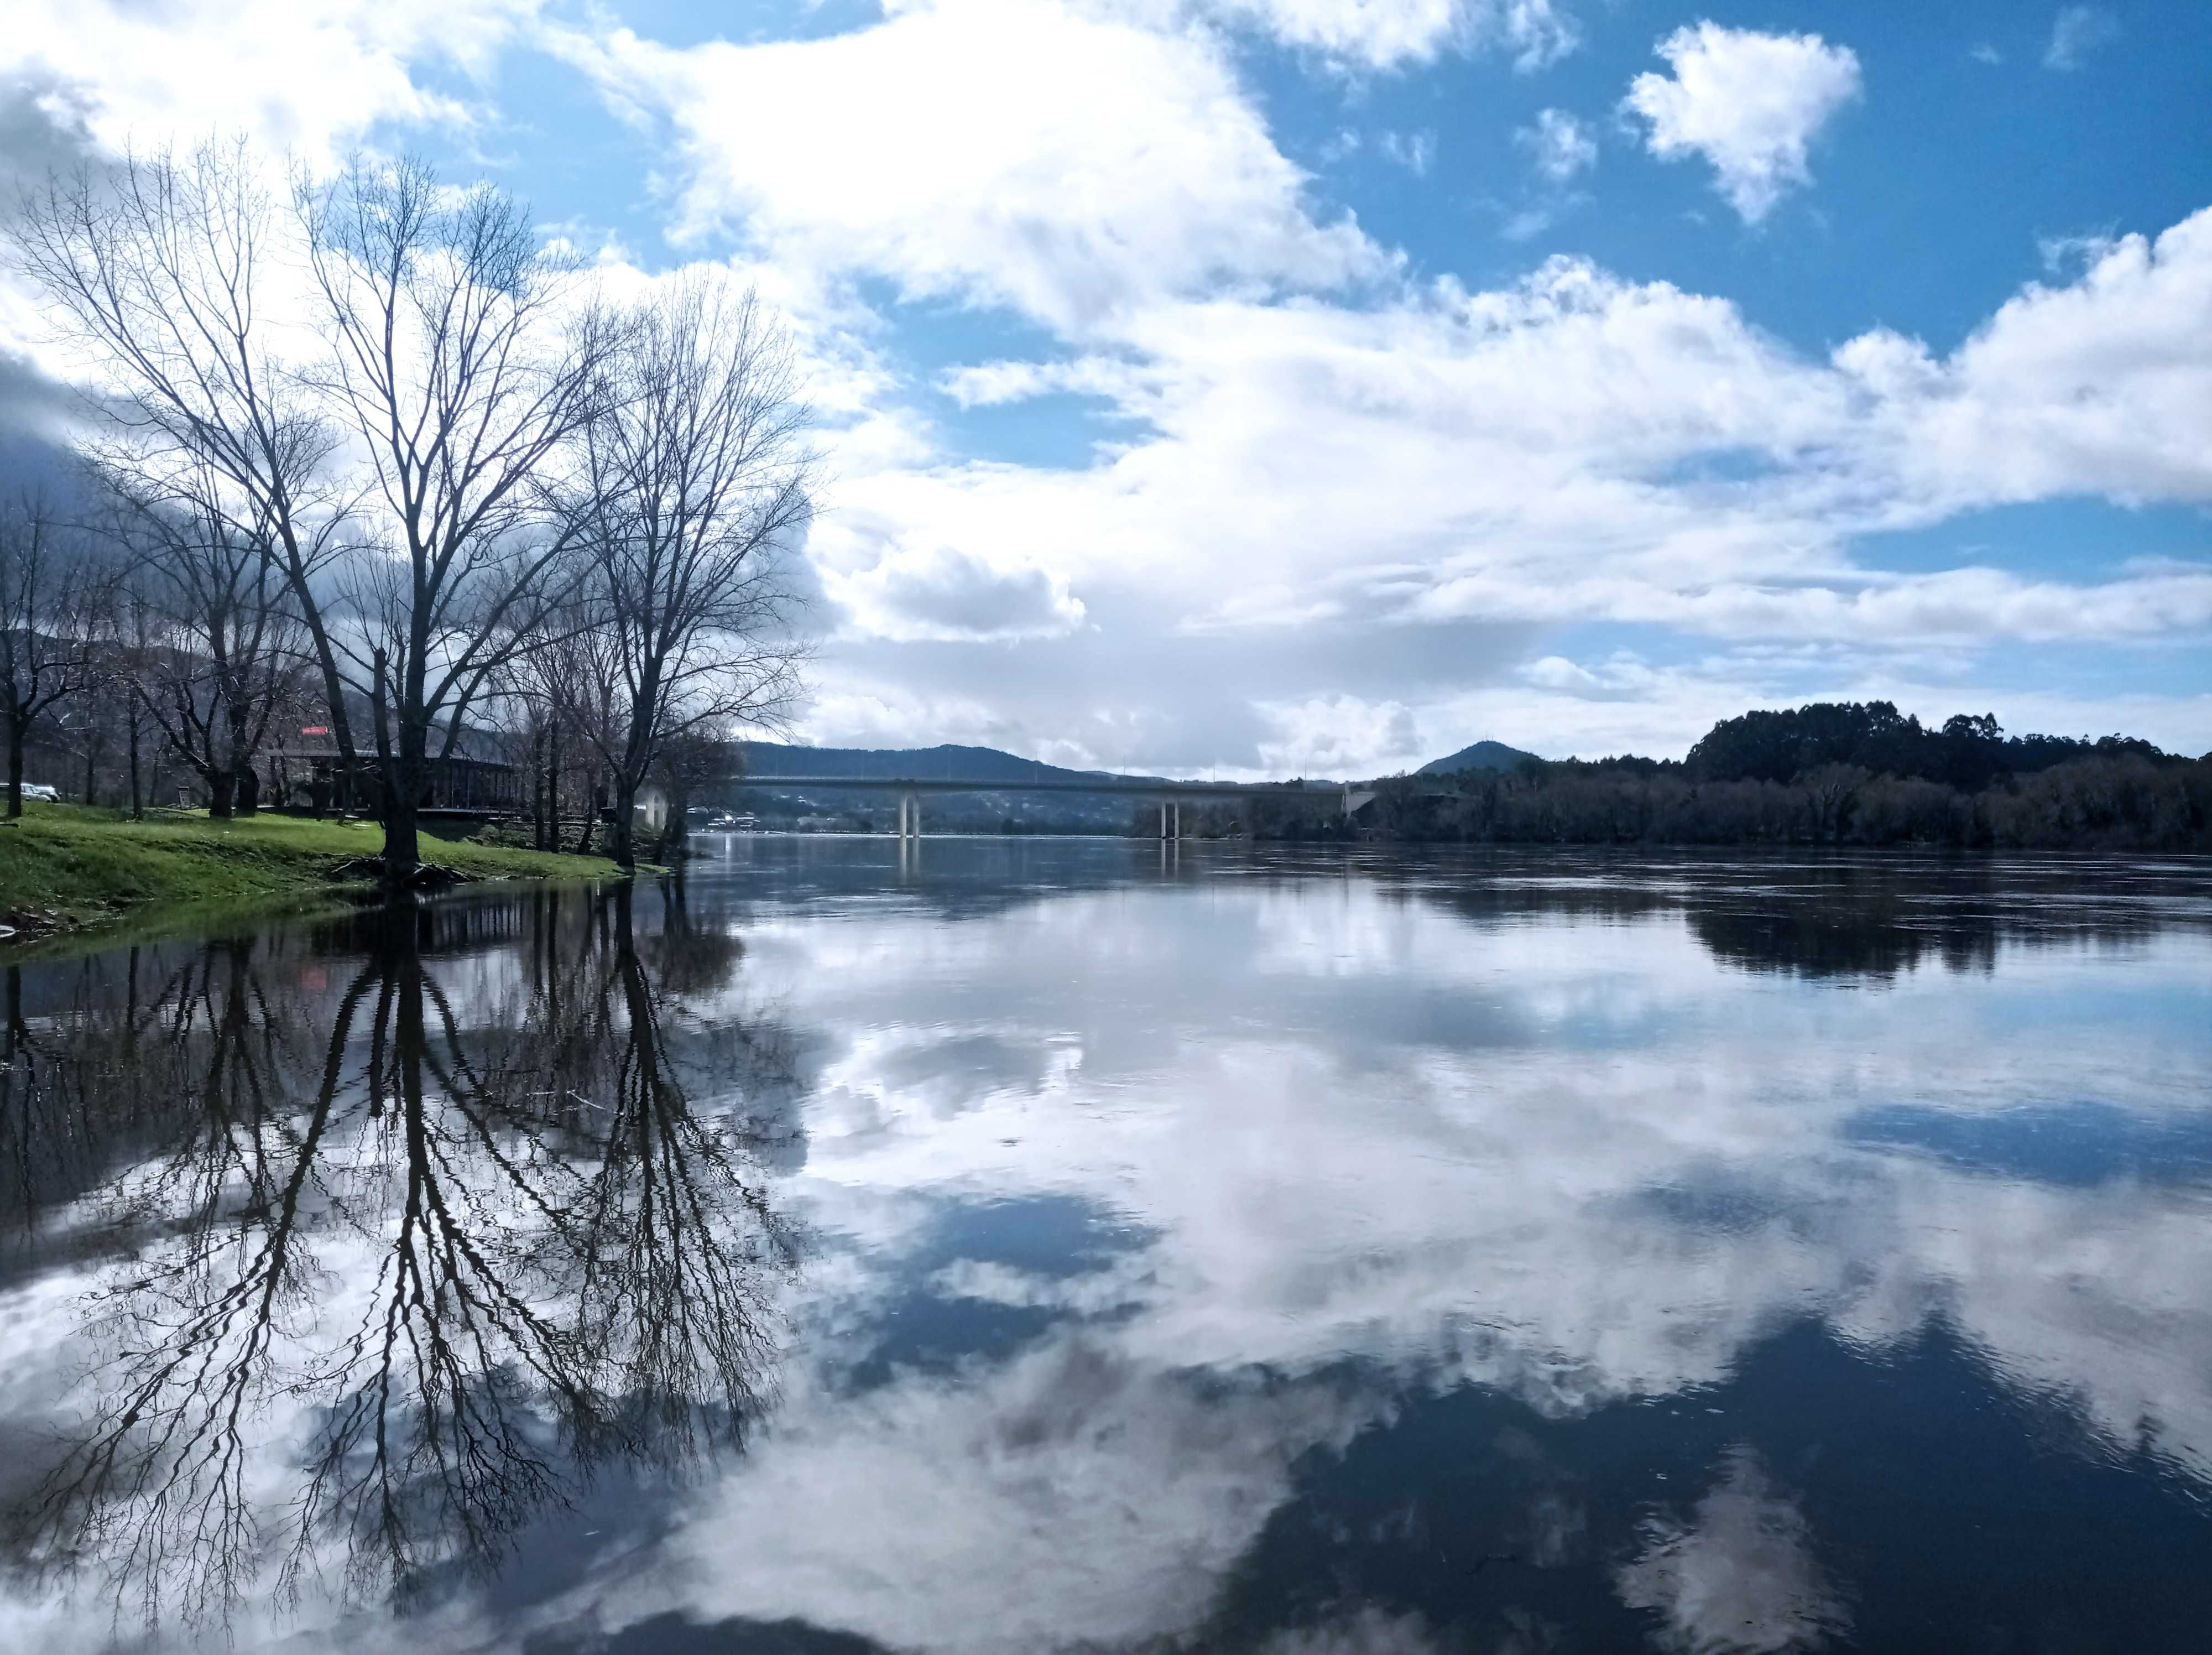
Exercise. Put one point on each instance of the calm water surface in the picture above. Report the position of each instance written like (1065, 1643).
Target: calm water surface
(1032, 1245)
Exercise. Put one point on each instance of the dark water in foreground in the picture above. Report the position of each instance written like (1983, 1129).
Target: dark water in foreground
(1049, 1246)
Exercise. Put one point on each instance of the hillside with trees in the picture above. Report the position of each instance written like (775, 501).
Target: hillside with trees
(1834, 773)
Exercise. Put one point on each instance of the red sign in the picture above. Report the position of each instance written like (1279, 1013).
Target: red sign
(315, 729)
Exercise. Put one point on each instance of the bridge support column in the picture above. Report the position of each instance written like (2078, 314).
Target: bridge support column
(911, 816)
(1177, 834)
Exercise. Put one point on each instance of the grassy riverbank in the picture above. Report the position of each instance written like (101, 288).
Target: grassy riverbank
(64, 867)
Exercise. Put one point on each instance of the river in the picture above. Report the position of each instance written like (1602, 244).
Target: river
(1024, 1245)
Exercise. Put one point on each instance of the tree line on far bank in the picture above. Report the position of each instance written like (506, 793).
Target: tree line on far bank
(365, 457)
(1830, 773)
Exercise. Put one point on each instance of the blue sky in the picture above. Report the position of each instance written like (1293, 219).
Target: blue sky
(1291, 386)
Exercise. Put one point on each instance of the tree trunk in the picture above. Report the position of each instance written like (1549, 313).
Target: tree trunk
(91, 779)
(590, 819)
(553, 790)
(15, 765)
(220, 783)
(537, 789)
(621, 831)
(137, 793)
(402, 780)
(403, 846)
(249, 791)
(675, 844)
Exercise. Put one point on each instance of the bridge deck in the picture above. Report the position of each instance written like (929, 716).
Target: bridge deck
(1129, 786)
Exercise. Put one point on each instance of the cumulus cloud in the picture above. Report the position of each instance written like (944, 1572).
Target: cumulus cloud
(1568, 446)
(1571, 448)
(2096, 386)
(1065, 163)
(2076, 33)
(945, 594)
(1560, 146)
(1336, 736)
(308, 77)
(1751, 104)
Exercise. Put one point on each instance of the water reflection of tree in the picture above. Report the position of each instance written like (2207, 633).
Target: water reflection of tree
(464, 1238)
(1808, 914)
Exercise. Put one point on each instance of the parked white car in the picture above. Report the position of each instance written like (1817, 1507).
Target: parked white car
(40, 790)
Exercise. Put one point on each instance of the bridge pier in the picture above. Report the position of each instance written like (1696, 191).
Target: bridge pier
(909, 826)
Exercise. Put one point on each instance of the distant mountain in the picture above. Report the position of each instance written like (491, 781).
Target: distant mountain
(766, 760)
(1482, 755)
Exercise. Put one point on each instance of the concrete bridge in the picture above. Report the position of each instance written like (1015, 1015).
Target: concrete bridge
(1169, 796)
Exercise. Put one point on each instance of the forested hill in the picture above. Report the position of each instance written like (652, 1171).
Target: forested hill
(1481, 756)
(766, 760)
(1829, 773)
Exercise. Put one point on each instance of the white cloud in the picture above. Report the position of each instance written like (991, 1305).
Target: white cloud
(1560, 146)
(1414, 151)
(1071, 165)
(1571, 448)
(990, 385)
(2077, 32)
(1339, 736)
(1537, 32)
(1751, 104)
(1352, 490)
(944, 593)
(1394, 33)
(2101, 386)
(312, 77)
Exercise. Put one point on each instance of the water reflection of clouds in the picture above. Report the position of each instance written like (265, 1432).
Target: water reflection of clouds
(1140, 1209)
(1071, 1494)
(1739, 1574)
(1357, 1123)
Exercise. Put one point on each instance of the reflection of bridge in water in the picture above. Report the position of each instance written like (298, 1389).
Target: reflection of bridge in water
(1169, 796)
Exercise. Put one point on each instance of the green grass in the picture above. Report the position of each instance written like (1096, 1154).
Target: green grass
(89, 867)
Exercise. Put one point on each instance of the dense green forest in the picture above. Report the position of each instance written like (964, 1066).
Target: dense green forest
(1832, 773)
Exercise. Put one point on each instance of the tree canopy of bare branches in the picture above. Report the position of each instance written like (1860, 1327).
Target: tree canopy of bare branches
(465, 365)
(219, 653)
(697, 479)
(375, 411)
(166, 271)
(52, 585)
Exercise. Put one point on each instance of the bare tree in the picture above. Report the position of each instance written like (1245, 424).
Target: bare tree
(226, 647)
(436, 344)
(465, 365)
(163, 269)
(52, 583)
(697, 477)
